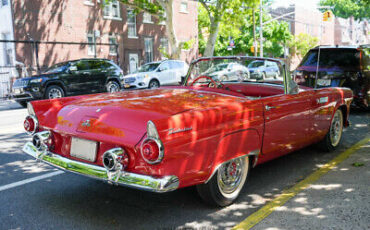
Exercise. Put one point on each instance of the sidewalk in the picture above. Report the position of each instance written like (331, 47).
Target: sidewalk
(339, 199)
(8, 105)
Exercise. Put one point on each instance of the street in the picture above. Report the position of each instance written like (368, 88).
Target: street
(50, 199)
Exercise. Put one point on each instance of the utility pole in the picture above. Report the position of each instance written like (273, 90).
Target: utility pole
(254, 33)
(261, 30)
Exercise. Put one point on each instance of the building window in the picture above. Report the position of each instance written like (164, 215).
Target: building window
(4, 2)
(112, 48)
(112, 10)
(90, 47)
(184, 7)
(163, 22)
(147, 18)
(7, 50)
(89, 2)
(131, 24)
(148, 43)
(164, 47)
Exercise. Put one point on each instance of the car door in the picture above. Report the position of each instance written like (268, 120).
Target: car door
(164, 74)
(287, 124)
(73, 79)
(98, 72)
(83, 77)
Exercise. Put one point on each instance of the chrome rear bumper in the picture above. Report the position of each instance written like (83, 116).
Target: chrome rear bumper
(133, 180)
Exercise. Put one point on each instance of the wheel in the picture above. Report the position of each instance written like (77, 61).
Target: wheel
(112, 87)
(225, 185)
(23, 103)
(224, 78)
(54, 91)
(153, 84)
(334, 135)
(263, 77)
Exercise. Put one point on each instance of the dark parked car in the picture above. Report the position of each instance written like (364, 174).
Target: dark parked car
(76, 77)
(262, 69)
(339, 66)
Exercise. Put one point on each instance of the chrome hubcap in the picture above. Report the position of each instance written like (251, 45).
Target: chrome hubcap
(230, 176)
(336, 129)
(113, 88)
(55, 93)
(154, 84)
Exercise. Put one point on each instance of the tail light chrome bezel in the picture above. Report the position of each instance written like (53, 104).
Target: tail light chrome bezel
(35, 122)
(160, 149)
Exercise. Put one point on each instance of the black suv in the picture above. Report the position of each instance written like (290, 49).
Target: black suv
(339, 66)
(76, 77)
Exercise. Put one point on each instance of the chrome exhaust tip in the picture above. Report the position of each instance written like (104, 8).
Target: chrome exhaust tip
(41, 139)
(115, 159)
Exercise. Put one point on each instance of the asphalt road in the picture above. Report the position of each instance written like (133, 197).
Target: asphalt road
(68, 201)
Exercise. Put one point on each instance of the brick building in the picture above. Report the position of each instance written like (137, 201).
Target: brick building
(139, 37)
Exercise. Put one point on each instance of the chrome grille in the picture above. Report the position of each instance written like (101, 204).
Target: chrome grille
(20, 83)
(130, 80)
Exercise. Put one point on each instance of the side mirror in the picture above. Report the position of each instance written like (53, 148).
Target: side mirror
(72, 68)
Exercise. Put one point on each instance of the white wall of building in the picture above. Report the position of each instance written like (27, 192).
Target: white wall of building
(7, 50)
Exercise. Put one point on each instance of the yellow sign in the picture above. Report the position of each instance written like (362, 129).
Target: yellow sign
(327, 16)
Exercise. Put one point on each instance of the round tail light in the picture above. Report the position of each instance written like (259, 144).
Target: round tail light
(152, 151)
(30, 124)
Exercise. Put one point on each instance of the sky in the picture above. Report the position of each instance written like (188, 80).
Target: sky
(311, 4)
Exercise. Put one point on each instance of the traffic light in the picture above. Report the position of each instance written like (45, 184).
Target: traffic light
(327, 16)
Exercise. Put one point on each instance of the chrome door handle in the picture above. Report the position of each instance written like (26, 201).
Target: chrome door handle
(269, 107)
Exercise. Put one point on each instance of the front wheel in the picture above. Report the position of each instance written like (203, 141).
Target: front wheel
(54, 91)
(225, 186)
(112, 87)
(153, 84)
(334, 135)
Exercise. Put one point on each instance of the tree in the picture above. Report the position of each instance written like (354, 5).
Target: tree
(215, 12)
(276, 34)
(163, 11)
(301, 44)
(359, 9)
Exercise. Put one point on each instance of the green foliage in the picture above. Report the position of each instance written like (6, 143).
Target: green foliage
(301, 44)
(276, 34)
(359, 9)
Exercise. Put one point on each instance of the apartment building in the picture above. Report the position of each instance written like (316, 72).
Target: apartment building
(138, 36)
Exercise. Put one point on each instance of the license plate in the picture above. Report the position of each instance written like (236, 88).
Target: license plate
(83, 149)
(17, 90)
(324, 82)
(127, 86)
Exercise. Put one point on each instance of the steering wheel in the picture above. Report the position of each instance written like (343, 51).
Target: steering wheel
(213, 82)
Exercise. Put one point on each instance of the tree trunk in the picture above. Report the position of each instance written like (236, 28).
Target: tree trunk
(213, 33)
(175, 45)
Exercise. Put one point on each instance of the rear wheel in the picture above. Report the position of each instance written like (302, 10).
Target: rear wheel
(225, 186)
(334, 135)
(153, 84)
(112, 87)
(54, 91)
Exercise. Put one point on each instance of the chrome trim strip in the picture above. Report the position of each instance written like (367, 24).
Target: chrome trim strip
(251, 153)
(133, 180)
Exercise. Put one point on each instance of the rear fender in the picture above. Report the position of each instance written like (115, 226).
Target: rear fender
(237, 144)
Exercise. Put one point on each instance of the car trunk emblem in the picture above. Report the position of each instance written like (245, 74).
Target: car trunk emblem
(86, 123)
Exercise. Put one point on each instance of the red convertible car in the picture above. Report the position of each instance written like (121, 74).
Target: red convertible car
(202, 132)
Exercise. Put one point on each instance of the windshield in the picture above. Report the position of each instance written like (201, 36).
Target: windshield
(342, 58)
(57, 68)
(205, 71)
(148, 67)
(255, 64)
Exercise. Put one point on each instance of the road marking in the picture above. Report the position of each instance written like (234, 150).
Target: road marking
(33, 179)
(287, 194)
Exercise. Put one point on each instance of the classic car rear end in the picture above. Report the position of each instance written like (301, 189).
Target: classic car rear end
(204, 133)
